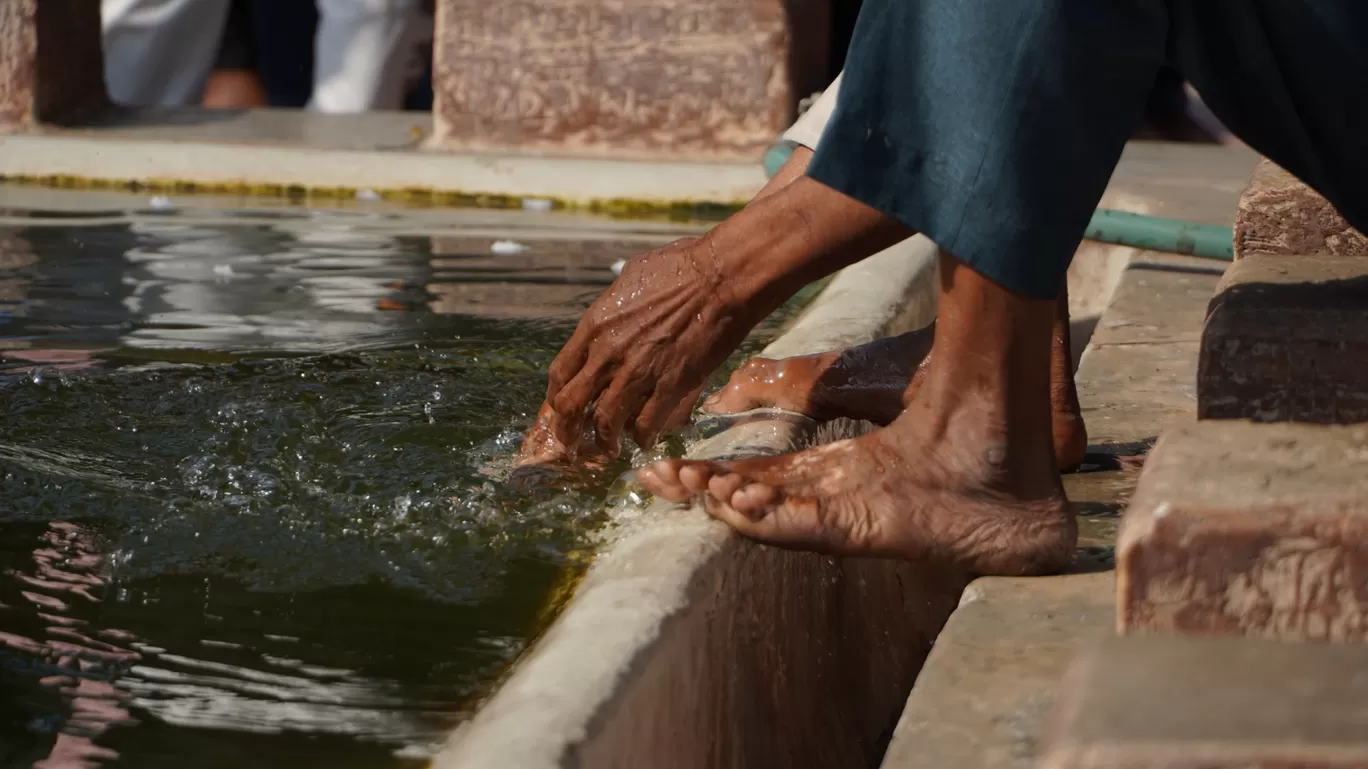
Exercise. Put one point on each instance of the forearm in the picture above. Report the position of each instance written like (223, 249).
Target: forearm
(793, 236)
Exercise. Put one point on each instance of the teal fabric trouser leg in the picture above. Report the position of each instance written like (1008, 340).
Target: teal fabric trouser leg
(993, 127)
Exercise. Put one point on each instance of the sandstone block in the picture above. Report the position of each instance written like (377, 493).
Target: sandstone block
(1278, 214)
(710, 80)
(1230, 703)
(1287, 339)
(1237, 528)
(51, 61)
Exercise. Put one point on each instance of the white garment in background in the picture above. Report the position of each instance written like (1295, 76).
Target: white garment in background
(363, 51)
(161, 52)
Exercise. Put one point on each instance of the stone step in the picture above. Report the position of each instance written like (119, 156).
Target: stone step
(1278, 214)
(1237, 528)
(1286, 339)
(1228, 703)
(650, 78)
(51, 61)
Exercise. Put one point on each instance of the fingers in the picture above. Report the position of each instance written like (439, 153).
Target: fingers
(617, 405)
(540, 445)
(684, 412)
(571, 401)
(661, 410)
(568, 361)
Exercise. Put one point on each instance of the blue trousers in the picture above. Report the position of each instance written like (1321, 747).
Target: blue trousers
(993, 126)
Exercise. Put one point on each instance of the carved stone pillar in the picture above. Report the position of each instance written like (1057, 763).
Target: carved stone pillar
(708, 79)
(51, 61)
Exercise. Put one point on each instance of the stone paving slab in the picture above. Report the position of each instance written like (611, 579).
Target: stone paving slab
(1286, 339)
(1230, 703)
(1249, 529)
(988, 682)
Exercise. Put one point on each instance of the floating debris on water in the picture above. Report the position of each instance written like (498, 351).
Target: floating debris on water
(536, 204)
(161, 203)
(367, 196)
(507, 247)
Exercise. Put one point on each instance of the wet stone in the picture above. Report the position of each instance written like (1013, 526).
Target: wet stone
(1239, 528)
(716, 80)
(1285, 340)
(1228, 703)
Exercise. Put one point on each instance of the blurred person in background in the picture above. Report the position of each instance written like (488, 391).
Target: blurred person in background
(332, 56)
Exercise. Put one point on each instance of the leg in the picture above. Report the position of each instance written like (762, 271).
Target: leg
(160, 52)
(876, 381)
(234, 83)
(953, 120)
(965, 475)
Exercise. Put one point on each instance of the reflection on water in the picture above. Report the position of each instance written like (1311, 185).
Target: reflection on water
(252, 478)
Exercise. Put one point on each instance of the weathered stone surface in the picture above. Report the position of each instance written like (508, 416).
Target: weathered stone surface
(714, 79)
(1237, 528)
(1287, 339)
(1228, 703)
(51, 64)
(1135, 378)
(1278, 214)
(993, 671)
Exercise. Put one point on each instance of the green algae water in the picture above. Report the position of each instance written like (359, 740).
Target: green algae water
(256, 506)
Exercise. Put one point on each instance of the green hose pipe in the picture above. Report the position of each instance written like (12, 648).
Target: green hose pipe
(1156, 234)
(1108, 226)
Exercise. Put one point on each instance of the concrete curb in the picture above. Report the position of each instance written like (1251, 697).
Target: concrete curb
(687, 645)
(489, 179)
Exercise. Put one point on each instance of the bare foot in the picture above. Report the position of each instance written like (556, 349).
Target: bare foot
(965, 476)
(955, 491)
(876, 381)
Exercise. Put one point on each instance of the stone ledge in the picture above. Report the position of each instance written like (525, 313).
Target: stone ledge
(1184, 703)
(1238, 528)
(1278, 214)
(1286, 340)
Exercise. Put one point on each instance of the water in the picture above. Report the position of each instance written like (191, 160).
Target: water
(253, 478)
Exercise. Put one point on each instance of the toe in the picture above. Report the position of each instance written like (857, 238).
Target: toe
(662, 478)
(754, 499)
(695, 476)
(724, 485)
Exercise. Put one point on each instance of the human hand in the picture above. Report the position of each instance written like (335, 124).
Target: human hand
(642, 352)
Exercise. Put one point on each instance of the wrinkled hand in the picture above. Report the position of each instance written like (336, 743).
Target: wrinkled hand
(642, 353)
